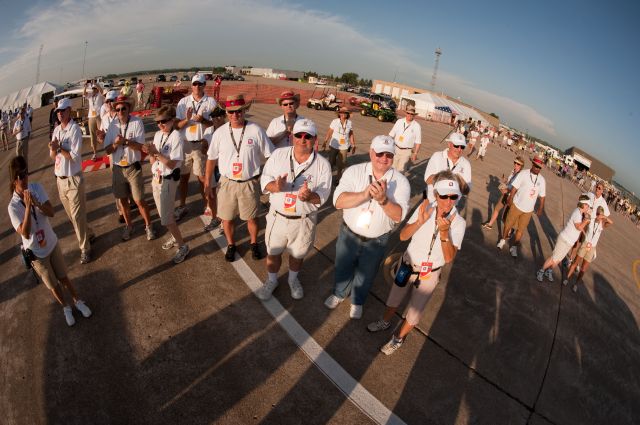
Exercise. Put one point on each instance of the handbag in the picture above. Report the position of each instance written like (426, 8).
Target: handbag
(403, 274)
(27, 257)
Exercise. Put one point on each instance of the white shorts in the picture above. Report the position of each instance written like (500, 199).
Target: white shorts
(561, 250)
(294, 235)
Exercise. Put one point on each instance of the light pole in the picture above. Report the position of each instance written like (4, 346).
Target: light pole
(84, 58)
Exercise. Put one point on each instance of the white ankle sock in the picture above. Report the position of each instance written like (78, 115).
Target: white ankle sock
(273, 277)
(292, 275)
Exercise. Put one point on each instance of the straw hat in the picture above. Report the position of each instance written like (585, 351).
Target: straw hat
(236, 102)
(288, 95)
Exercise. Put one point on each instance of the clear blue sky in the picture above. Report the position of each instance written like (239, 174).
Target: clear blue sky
(565, 71)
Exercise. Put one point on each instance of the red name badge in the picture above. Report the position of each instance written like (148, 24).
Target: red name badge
(236, 169)
(533, 192)
(290, 202)
(425, 270)
(40, 238)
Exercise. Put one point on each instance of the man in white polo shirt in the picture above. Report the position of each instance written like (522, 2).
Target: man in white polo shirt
(238, 148)
(407, 134)
(124, 141)
(65, 149)
(193, 115)
(375, 198)
(22, 131)
(525, 190)
(95, 100)
(280, 128)
(298, 181)
(449, 159)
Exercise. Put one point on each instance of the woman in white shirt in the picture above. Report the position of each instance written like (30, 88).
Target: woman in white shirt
(29, 210)
(341, 140)
(436, 231)
(504, 188)
(166, 154)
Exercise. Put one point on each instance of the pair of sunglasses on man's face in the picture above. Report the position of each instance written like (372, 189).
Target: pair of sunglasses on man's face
(452, 197)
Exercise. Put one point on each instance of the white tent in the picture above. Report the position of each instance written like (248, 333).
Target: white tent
(37, 95)
(426, 104)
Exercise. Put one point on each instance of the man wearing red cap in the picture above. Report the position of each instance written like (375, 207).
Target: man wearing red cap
(193, 115)
(279, 130)
(525, 190)
(238, 148)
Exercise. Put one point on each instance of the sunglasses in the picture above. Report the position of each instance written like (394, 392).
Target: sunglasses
(121, 109)
(536, 166)
(461, 147)
(287, 104)
(22, 175)
(387, 155)
(452, 197)
(197, 84)
(303, 136)
(235, 112)
(517, 163)
(164, 121)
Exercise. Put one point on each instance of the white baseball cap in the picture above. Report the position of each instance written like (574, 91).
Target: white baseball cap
(447, 187)
(383, 144)
(198, 78)
(305, 126)
(457, 139)
(111, 95)
(63, 104)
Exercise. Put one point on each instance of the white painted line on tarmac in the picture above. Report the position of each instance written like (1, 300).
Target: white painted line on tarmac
(351, 388)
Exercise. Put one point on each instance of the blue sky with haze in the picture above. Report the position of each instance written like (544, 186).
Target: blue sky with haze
(563, 70)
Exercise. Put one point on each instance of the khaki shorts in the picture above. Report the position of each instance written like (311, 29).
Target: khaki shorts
(517, 219)
(401, 159)
(295, 235)
(51, 268)
(195, 160)
(419, 296)
(128, 181)
(164, 195)
(238, 198)
(588, 254)
(561, 250)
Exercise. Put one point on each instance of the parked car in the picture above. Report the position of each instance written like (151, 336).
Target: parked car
(121, 82)
(107, 84)
(238, 77)
(185, 77)
(227, 76)
(134, 80)
(161, 78)
(173, 78)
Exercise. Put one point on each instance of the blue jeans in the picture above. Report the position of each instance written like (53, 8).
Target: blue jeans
(357, 263)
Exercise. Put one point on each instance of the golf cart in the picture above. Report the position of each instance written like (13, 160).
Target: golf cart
(328, 100)
(379, 107)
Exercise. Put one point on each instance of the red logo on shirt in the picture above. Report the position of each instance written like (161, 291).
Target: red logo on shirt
(250, 142)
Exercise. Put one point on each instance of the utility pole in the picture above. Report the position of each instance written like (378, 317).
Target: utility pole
(38, 64)
(435, 70)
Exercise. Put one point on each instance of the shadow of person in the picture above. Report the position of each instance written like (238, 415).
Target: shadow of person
(548, 228)
(535, 243)
(594, 372)
(494, 193)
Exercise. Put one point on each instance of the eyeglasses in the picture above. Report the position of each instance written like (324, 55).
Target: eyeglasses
(22, 175)
(303, 136)
(235, 112)
(517, 163)
(288, 104)
(197, 84)
(387, 155)
(121, 109)
(163, 121)
(536, 166)
(452, 197)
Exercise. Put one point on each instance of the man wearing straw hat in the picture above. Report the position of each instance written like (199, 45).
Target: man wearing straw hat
(124, 141)
(407, 134)
(341, 140)
(238, 148)
(279, 130)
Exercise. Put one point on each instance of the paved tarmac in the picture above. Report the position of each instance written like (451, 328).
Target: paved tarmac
(191, 344)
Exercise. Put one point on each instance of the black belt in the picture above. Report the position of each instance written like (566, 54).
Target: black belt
(127, 166)
(402, 148)
(66, 177)
(244, 181)
(362, 238)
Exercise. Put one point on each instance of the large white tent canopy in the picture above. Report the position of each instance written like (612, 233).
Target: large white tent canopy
(426, 103)
(37, 95)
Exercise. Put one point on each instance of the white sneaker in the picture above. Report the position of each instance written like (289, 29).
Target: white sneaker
(501, 243)
(267, 289)
(514, 251)
(391, 346)
(68, 315)
(181, 254)
(82, 308)
(169, 243)
(540, 275)
(549, 275)
(296, 289)
(332, 301)
(355, 312)
(565, 282)
(151, 234)
(380, 325)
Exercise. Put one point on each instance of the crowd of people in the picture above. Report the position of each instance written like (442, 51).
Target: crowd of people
(236, 162)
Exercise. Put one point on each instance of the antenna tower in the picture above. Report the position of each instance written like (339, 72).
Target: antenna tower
(38, 65)
(435, 69)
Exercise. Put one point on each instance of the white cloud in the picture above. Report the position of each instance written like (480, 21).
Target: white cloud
(126, 36)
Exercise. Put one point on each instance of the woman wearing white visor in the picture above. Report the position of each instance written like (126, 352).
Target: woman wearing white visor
(436, 231)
